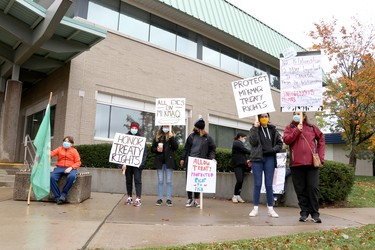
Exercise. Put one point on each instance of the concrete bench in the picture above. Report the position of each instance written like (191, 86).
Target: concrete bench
(80, 191)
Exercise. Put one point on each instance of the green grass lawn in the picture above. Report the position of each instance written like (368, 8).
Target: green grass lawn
(362, 195)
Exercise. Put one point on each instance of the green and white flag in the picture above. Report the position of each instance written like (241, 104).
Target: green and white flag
(40, 174)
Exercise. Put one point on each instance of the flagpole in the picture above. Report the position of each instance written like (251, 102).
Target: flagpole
(30, 188)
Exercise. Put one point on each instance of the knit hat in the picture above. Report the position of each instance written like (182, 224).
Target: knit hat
(200, 123)
(134, 125)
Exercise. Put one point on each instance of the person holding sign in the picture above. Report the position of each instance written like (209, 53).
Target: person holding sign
(201, 145)
(134, 172)
(68, 161)
(164, 145)
(239, 163)
(265, 142)
(304, 175)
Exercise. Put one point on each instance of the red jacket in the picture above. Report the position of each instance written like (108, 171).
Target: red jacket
(299, 150)
(67, 157)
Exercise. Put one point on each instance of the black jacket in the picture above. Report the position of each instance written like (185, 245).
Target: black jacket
(239, 152)
(207, 149)
(167, 156)
(256, 146)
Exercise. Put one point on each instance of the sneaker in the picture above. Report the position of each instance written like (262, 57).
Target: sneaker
(272, 213)
(129, 201)
(316, 219)
(189, 202)
(303, 218)
(61, 200)
(234, 199)
(137, 202)
(196, 204)
(240, 199)
(253, 212)
(169, 203)
(159, 202)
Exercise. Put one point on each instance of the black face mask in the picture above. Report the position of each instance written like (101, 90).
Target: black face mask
(196, 131)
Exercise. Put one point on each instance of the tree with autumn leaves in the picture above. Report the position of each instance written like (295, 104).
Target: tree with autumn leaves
(349, 99)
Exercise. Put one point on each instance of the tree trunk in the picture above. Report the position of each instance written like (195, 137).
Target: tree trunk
(352, 159)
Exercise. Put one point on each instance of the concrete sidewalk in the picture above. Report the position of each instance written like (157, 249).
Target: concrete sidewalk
(105, 222)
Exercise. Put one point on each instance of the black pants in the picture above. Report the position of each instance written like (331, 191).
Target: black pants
(189, 193)
(239, 172)
(306, 184)
(137, 174)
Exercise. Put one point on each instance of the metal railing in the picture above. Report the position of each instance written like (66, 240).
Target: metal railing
(29, 153)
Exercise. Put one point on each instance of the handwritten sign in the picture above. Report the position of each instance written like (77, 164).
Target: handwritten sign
(127, 149)
(278, 176)
(301, 83)
(170, 111)
(201, 175)
(253, 96)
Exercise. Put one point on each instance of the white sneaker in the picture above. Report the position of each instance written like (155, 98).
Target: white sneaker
(239, 199)
(253, 212)
(272, 213)
(234, 199)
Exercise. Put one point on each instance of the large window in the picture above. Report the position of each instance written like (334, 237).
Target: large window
(104, 12)
(134, 22)
(224, 136)
(112, 119)
(34, 121)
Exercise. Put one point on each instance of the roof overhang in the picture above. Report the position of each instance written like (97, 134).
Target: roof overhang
(34, 41)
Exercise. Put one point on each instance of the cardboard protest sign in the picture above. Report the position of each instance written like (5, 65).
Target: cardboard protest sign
(279, 175)
(127, 149)
(201, 175)
(170, 111)
(301, 82)
(253, 96)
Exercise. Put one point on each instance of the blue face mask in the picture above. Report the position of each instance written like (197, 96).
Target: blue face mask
(67, 144)
(134, 131)
(165, 130)
(242, 140)
(296, 118)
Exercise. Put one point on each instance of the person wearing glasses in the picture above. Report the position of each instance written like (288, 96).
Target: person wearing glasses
(265, 142)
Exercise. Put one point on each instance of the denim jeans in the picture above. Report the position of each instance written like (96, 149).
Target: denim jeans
(57, 173)
(168, 174)
(267, 166)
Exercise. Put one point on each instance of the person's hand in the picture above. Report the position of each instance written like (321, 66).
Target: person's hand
(182, 163)
(300, 126)
(214, 160)
(123, 168)
(159, 149)
(67, 171)
(256, 124)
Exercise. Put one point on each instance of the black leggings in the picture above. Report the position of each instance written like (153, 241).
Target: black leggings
(239, 171)
(137, 174)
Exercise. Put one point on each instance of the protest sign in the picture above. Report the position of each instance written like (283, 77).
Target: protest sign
(301, 82)
(127, 149)
(201, 175)
(170, 111)
(253, 96)
(278, 183)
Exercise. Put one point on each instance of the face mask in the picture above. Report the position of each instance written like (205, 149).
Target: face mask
(134, 131)
(66, 144)
(165, 130)
(195, 131)
(296, 118)
(242, 140)
(263, 121)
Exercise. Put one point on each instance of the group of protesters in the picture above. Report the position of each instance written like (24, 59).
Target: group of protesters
(265, 142)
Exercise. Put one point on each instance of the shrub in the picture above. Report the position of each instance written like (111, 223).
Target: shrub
(336, 181)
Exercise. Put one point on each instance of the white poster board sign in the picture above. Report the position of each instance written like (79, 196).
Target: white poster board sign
(301, 83)
(170, 111)
(201, 175)
(279, 175)
(127, 149)
(253, 96)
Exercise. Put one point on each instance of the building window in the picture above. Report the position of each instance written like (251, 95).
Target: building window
(186, 42)
(113, 118)
(224, 136)
(134, 22)
(104, 12)
(34, 121)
